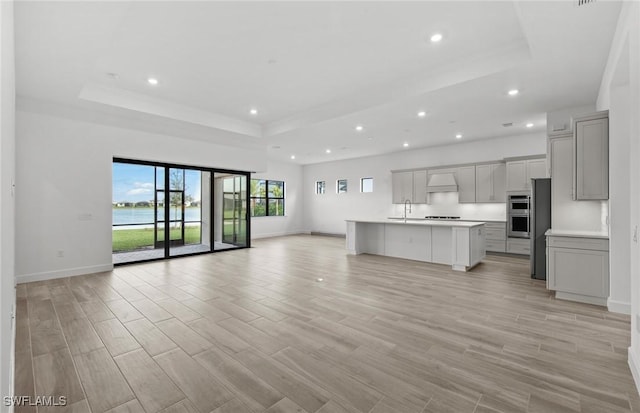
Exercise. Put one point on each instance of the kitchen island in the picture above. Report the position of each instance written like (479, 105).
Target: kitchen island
(460, 244)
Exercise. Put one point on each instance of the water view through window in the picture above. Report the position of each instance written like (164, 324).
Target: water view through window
(160, 211)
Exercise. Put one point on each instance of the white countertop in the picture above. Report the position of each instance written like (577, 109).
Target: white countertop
(421, 221)
(577, 233)
(484, 220)
(461, 219)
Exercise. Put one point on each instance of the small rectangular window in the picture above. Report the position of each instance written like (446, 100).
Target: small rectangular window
(366, 185)
(320, 187)
(341, 186)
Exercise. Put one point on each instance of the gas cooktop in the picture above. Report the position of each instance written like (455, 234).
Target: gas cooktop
(440, 217)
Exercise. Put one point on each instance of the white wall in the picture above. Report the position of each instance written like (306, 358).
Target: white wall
(326, 213)
(7, 200)
(620, 93)
(619, 200)
(631, 12)
(292, 222)
(634, 182)
(64, 169)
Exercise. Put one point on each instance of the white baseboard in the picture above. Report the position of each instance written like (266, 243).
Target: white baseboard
(276, 234)
(70, 272)
(581, 298)
(329, 234)
(618, 306)
(635, 369)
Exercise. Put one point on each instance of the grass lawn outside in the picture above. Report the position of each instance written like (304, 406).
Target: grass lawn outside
(133, 239)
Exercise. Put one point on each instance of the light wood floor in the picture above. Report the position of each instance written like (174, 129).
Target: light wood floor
(253, 330)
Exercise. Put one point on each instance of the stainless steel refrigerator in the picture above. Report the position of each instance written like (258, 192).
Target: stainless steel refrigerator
(540, 222)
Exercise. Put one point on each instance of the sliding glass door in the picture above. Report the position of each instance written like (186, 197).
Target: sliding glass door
(185, 211)
(162, 211)
(230, 210)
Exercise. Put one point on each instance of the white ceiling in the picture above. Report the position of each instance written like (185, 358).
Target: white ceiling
(315, 70)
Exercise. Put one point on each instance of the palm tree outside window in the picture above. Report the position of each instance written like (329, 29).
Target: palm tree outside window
(267, 198)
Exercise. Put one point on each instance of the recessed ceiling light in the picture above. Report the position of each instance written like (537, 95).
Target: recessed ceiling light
(422, 114)
(459, 136)
(406, 144)
(359, 128)
(529, 125)
(293, 157)
(152, 81)
(436, 37)
(328, 151)
(513, 92)
(253, 111)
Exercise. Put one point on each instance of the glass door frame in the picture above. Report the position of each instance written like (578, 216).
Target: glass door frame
(166, 189)
(157, 242)
(236, 219)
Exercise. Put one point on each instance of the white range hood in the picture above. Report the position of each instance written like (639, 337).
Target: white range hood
(445, 182)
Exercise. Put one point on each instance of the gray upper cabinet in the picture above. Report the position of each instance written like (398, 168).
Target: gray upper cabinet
(419, 187)
(466, 177)
(536, 168)
(516, 175)
(562, 204)
(402, 187)
(520, 172)
(591, 148)
(491, 183)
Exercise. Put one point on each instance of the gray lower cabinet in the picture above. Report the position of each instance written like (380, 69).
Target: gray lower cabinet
(578, 268)
(496, 236)
(520, 246)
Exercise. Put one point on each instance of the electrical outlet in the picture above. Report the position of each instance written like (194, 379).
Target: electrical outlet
(60, 253)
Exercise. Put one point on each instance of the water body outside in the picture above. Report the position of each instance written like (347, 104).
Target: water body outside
(144, 215)
(134, 230)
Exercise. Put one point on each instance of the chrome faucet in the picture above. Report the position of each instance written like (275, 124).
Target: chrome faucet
(405, 208)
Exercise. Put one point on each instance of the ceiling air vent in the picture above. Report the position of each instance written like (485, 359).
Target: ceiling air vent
(506, 125)
(584, 2)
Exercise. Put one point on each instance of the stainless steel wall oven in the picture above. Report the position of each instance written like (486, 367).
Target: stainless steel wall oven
(519, 214)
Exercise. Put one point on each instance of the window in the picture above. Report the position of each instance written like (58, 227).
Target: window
(267, 198)
(341, 186)
(366, 185)
(162, 210)
(320, 186)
